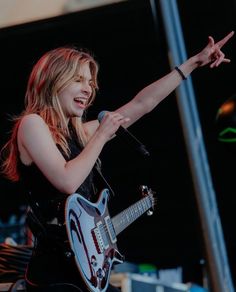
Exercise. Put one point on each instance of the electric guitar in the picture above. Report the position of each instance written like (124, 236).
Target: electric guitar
(92, 234)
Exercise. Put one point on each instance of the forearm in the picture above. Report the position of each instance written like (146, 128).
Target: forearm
(154, 93)
(149, 97)
(78, 169)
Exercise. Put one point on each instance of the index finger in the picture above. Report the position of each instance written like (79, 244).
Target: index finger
(225, 39)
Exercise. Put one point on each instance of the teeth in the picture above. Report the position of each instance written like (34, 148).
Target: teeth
(79, 100)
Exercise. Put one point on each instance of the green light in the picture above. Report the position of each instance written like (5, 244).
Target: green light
(226, 131)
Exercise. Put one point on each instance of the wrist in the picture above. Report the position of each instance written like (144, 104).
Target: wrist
(195, 62)
(99, 139)
(188, 66)
(181, 73)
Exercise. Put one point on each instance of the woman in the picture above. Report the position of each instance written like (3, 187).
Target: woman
(54, 153)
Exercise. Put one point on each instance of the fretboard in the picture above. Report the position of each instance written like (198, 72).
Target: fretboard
(129, 215)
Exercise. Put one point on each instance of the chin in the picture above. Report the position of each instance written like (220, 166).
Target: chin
(78, 114)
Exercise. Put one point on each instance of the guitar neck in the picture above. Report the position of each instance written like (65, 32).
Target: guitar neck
(129, 215)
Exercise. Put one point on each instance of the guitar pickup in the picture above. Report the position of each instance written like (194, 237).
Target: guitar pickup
(111, 230)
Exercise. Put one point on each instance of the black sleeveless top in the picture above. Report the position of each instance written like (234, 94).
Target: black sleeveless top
(42, 195)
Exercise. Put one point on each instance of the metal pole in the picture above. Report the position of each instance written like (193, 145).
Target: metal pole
(219, 272)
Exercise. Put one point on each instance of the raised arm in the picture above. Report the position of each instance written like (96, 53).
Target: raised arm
(149, 97)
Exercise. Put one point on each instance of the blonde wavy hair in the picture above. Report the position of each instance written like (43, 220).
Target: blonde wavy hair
(54, 71)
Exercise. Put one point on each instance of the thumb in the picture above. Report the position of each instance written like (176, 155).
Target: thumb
(211, 41)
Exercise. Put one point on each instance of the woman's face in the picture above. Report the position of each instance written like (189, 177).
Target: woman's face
(74, 98)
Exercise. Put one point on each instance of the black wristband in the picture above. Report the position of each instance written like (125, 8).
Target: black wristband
(180, 73)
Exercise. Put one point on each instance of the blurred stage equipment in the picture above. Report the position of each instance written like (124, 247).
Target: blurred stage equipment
(130, 282)
(226, 121)
(13, 261)
(132, 277)
(14, 227)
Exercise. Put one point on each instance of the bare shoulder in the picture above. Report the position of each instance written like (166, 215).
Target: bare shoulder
(32, 129)
(31, 121)
(91, 127)
(32, 126)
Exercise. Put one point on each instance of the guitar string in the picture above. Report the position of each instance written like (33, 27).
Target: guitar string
(149, 199)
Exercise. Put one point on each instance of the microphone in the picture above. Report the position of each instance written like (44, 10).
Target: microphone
(122, 132)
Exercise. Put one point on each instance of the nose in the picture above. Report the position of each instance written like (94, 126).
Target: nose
(87, 89)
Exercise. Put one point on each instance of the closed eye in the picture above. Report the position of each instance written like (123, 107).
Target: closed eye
(79, 79)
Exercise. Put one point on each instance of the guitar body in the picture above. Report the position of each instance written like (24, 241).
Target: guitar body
(92, 238)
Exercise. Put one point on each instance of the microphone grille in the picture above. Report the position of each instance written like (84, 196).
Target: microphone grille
(101, 115)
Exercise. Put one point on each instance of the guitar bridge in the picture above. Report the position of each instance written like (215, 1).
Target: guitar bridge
(100, 238)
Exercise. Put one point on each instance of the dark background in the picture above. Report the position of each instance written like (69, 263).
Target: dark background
(132, 52)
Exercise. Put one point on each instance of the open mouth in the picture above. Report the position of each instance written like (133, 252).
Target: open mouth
(81, 101)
